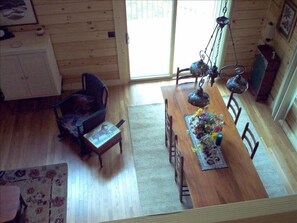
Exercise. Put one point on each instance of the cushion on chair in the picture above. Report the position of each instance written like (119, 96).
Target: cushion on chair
(68, 122)
(83, 104)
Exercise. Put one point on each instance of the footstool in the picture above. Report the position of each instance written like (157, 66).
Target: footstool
(104, 137)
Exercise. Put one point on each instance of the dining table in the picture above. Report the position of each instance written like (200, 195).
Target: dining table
(239, 181)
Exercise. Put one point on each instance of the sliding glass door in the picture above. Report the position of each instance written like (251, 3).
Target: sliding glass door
(195, 21)
(149, 27)
(166, 34)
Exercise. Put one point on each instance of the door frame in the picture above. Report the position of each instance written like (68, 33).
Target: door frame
(120, 23)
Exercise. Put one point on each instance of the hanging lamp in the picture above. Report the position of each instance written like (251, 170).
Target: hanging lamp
(204, 67)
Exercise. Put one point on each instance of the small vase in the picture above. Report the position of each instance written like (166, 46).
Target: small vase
(40, 31)
(219, 139)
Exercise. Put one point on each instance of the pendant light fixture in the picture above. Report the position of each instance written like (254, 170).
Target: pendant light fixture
(206, 68)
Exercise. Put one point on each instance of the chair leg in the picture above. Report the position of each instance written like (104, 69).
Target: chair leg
(177, 76)
(166, 140)
(84, 150)
(62, 133)
(22, 202)
(181, 194)
(61, 136)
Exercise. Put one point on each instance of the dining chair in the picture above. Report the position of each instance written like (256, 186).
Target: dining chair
(252, 144)
(233, 106)
(12, 205)
(179, 175)
(169, 134)
(180, 76)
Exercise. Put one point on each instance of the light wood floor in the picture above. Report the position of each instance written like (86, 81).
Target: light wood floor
(29, 138)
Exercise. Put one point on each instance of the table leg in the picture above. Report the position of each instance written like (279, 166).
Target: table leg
(121, 146)
(100, 160)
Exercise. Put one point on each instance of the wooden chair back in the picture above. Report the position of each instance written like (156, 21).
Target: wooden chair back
(252, 143)
(234, 108)
(180, 76)
(169, 134)
(179, 173)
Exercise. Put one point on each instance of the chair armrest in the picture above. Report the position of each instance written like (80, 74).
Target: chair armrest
(67, 98)
(65, 105)
(58, 103)
(105, 96)
(185, 69)
(89, 122)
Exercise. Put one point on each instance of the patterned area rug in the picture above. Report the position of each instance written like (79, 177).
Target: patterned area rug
(44, 190)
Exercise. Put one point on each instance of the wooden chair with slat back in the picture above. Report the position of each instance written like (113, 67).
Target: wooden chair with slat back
(233, 106)
(252, 143)
(169, 134)
(179, 175)
(180, 76)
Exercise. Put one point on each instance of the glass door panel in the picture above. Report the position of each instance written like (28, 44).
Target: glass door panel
(149, 26)
(194, 24)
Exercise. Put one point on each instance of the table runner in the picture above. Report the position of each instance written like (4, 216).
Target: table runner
(209, 159)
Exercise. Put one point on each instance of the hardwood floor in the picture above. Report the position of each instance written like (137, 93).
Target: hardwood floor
(29, 138)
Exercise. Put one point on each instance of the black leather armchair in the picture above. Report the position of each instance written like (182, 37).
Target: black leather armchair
(83, 110)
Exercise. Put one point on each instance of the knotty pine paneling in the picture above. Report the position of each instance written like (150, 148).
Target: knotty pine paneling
(79, 33)
(69, 7)
(284, 48)
(247, 21)
(83, 27)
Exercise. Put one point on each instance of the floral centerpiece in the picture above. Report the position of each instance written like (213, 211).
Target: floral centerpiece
(205, 126)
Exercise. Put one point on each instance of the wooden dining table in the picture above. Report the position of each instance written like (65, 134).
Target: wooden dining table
(240, 180)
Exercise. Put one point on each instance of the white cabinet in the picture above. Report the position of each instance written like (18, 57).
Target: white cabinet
(28, 67)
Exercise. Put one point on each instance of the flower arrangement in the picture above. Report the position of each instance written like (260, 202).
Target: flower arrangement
(206, 125)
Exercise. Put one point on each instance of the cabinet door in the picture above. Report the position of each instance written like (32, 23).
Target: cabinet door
(37, 73)
(13, 82)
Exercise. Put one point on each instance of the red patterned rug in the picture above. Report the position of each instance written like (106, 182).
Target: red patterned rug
(44, 190)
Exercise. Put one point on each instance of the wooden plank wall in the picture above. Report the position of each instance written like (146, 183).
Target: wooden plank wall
(282, 46)
(248, 21)
(79, 32)
(285, 49)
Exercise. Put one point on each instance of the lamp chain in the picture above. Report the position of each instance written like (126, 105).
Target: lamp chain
(218, 47)
(225, 8)
(220, 37)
